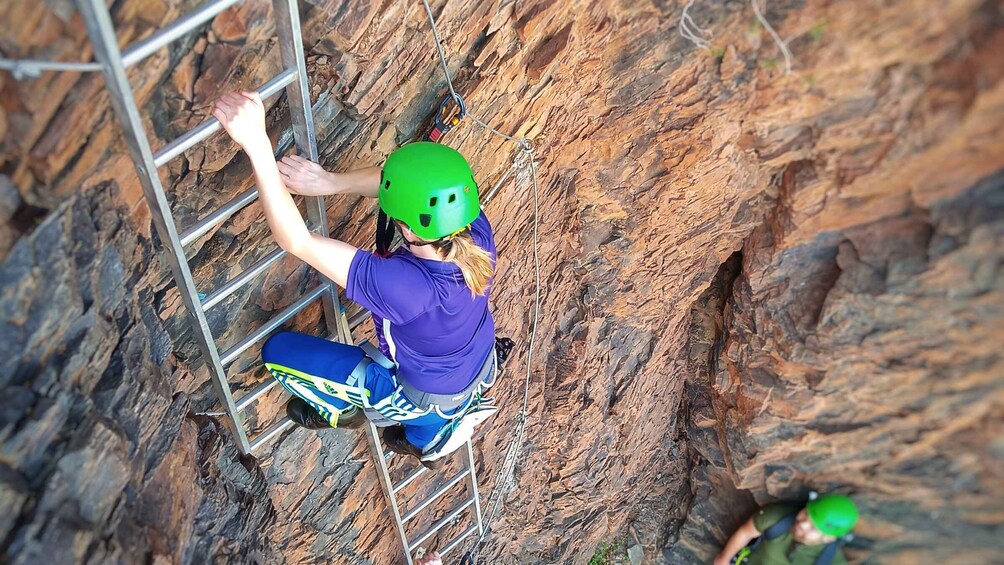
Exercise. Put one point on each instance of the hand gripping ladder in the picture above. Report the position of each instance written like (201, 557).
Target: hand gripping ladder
(294, 80)
(382, 459)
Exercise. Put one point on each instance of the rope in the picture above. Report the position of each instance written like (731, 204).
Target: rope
(690, 30)
(25, 68)
(449, 82)
(505, 478)
(777, 38)
(524, 160)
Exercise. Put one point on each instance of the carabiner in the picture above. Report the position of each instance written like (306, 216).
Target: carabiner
(442, 125)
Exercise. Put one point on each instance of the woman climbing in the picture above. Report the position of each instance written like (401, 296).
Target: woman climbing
(429, 299)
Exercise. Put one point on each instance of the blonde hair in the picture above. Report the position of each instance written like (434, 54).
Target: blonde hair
(475, 263)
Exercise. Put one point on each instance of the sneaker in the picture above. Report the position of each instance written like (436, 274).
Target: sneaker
(395, 440)
(304, 416)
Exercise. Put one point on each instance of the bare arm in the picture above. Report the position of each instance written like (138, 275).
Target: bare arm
(243, 116)
(306, 177)
(739, 539)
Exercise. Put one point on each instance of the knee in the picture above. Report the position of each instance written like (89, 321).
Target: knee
(276, 346)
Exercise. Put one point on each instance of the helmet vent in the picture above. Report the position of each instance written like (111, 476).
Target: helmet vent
(432, 202)
(425, 219)
(453, 198)
(386, 185)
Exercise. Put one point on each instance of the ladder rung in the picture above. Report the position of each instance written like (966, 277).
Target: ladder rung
(439, 492)
(414, 475)
(263, 387)
(242, 279)
(456, 541)
(256, 392)
(219, 215)
(280, 318)
(143, 49)
(212, 125)
(270, 433)
(439, 524)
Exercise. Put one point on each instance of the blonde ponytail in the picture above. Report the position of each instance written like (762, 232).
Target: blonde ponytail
(475, 263)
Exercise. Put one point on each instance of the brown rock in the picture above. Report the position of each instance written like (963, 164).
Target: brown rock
(753, 284)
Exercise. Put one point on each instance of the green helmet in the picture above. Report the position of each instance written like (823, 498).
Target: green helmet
(832, 514)
(431, 188)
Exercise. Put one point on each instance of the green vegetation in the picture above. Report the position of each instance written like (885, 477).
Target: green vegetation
(606, 552)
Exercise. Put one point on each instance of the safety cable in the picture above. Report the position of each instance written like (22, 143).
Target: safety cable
(449, 82)
(524, 159)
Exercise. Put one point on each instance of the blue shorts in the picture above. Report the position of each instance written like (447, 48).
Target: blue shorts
(320, 372)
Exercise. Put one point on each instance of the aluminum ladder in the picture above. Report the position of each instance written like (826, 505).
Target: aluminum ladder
(382, 459)
(294, 80)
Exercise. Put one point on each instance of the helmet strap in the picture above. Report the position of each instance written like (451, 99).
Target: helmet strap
(384, 234)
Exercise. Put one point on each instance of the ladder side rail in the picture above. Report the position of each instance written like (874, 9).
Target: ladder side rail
(473, 474)
(388, 487)
(102, 36)
(287, 17)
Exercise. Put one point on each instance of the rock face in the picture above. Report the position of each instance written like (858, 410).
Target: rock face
(753, 283)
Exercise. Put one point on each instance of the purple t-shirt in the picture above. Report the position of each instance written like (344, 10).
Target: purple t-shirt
(436, 332)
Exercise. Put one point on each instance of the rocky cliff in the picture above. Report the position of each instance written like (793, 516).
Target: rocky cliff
(754, 282)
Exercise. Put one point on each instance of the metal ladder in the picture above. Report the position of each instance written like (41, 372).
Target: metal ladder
(391, 490)
(473, 501)
(294, 80)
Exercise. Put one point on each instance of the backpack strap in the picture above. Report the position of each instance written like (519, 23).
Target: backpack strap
(774, 531)
(829, 552)
(778, 529)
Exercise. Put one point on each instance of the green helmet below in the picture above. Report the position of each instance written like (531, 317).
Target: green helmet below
(832, 514)
(431, 188)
